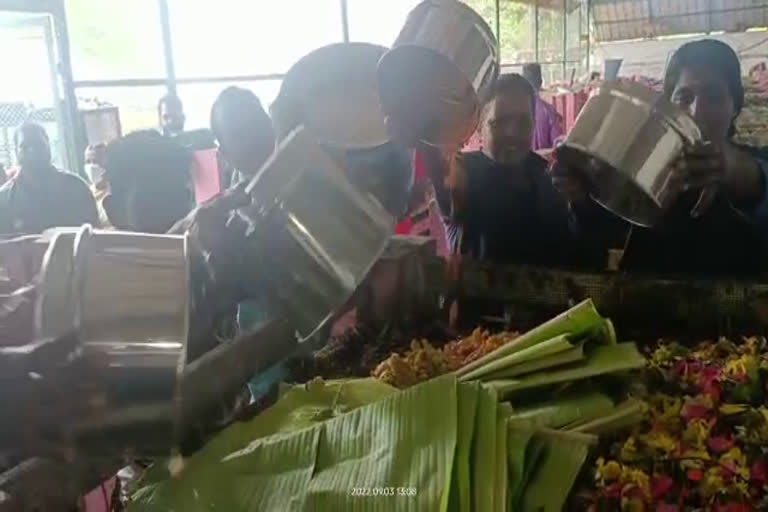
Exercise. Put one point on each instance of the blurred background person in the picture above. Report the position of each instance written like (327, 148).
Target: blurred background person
(40, 196)
(171, 118)
(244, 132)
(548, 126)
(95, 162)
(149, 182)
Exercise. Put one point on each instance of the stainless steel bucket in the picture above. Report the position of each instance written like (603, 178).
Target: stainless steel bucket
(443, 62)
(55, 306)
(332, 91)
(315, 235)
(132, 308)
(625, 141)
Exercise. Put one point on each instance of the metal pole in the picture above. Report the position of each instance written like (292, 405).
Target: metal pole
(536, 31)
(565, 39)
(344, 21)
(589, 36)
(75, 135)
(165, 26)
(498, 29)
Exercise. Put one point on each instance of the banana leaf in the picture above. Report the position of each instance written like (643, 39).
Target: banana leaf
(299, 406)
(460, 498)
(578, 321)
(571, 355)
(386, 445)
(628, 413)
(502, 473)
(600, 360)
(545, 348)
(576, 406)
(484, 451)
(517, 444)
(554, 475)
(534, 453)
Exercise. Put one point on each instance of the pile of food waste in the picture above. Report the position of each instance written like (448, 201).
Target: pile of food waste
(356, 352)
(423, 361)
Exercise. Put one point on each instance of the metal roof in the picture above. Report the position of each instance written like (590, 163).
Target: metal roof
(616, 20)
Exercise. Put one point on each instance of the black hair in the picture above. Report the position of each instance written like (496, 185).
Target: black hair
(508, 83)
(713, 54)
(30, 126)
(233, 99)
(532, 73)
(158, 168)
(171, 100)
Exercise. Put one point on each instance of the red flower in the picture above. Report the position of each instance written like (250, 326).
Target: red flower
(694, 474)
(759, 471)
(660, 486)
(708, 381)
(692, 412)
(666, 507)
(720, 444)
(614, 490)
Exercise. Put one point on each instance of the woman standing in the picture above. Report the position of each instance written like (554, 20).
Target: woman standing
(722, 234)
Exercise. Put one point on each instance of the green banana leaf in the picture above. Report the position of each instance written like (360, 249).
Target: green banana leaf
(484, 451)
(575, 406)
(554, 475)
(572, 355)
(517, 443)
(578, 321)
(299, 406)
(375, 451)
(628, 413)
(534, 453)
(549, 347)
(461, 498)
(600, 360)
(501, 497)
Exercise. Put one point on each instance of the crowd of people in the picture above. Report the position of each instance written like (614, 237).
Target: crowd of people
(507, 205)
(504, 203)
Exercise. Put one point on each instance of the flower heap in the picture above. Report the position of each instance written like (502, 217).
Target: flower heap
(704, 442)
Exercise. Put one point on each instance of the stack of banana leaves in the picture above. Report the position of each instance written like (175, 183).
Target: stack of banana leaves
(509, 431)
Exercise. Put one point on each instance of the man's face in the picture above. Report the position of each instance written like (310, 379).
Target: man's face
(246, 139)
(705, 96)
(507, 127)
(171, 119)
(32, 150)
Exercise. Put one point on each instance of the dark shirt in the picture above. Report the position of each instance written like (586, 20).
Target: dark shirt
(512, 214)
(60, 199)
(722, 242)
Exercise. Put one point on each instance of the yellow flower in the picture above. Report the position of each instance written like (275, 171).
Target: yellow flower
(752, 345)
(713, 482)
(729, 409)
(661, 355)
(697, 433)
(694, 458)
(609, 471)
(629, 450)
(740, 487)
(738, 367)
(637, 478)
(735, 461)
(660, 441)
(763, 410)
